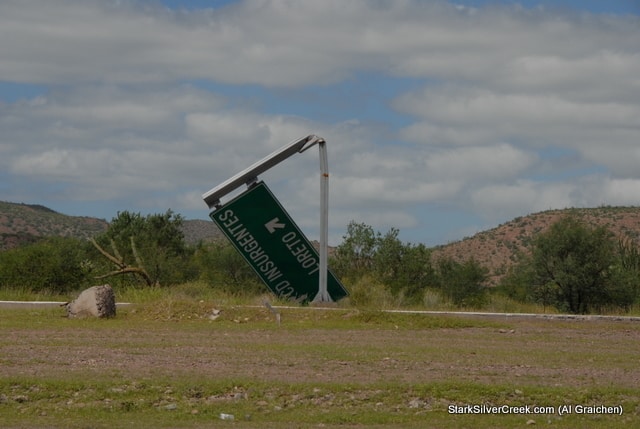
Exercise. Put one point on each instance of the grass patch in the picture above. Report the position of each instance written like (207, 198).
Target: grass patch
(166, 362)
(198, 403)
(26, 294)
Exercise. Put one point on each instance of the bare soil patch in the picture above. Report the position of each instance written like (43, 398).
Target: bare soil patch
(520, 352)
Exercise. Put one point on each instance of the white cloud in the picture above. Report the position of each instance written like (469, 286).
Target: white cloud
(390, 190)
(603, 190)
(623, 192)
(497, 116)
(617, 149)
(294, 43)
(479, 163)
(574, 76)
(505, 201)
(495, 94)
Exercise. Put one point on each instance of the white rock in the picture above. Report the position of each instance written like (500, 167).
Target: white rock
(97, 301)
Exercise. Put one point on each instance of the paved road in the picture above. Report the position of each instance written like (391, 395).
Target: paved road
(41, 304)
(486, 314)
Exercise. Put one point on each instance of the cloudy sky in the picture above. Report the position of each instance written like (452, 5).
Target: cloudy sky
(442, 118)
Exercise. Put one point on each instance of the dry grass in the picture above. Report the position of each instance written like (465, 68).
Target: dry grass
(168, 364)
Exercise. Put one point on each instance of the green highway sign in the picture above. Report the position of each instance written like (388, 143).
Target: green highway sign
(270, 241)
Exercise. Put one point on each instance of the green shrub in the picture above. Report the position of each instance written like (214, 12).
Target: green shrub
(53, 265)
(367, 291)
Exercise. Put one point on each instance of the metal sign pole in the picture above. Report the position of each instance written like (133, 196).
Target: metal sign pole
(323, 294)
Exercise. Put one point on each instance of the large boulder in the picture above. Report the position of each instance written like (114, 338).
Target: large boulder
(97, 301)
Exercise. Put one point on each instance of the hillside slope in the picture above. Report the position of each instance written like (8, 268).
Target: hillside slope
(200, 230)
(25, 223)
(498, 248)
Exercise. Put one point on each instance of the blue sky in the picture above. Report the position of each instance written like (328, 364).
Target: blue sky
(442, 119)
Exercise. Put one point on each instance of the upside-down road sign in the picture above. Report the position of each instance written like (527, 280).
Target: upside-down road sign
(270, 241)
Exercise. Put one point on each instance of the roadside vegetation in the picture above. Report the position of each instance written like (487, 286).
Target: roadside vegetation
(199, 345)
(572, 267)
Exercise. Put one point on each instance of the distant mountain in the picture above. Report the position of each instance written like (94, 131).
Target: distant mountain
(498, 248)
(25, 223)
(200, 230)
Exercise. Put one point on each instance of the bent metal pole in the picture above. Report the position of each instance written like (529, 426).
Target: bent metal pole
(323, 294)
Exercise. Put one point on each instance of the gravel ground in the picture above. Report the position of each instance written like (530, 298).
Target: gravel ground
(531, 352)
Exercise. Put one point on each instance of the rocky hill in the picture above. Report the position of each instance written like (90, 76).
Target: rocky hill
(498, 248)
(200, 230)
(26, 223)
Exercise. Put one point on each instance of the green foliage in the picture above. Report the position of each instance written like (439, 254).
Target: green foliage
(221, 266)
(577, 268)
(54, 265)
(367, 292)
(624, 275)
(463, 282)
(354, 256)
(403, 268)
(154, 243)
(520, 284)
(572, 260)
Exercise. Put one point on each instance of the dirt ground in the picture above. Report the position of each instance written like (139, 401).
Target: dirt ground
(523, 352)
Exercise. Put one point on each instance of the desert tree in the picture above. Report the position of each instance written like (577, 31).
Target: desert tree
(575, 260)
(150, 248)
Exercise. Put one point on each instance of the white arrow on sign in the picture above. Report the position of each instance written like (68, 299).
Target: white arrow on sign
(274, 224)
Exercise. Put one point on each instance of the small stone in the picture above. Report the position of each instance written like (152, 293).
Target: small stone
(171, 407)
(531, 422)
(416, 403)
